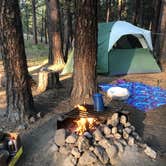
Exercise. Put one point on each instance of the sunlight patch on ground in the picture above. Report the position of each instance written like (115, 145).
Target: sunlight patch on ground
(64, 77)
(56, 67)
(36, 67)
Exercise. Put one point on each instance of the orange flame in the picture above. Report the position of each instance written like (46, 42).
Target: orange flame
(84, 124)
(80, 107)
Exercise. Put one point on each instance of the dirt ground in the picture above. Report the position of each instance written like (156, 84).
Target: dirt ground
(38, 137)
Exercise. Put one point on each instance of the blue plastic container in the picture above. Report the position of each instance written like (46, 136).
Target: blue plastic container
(98, 102)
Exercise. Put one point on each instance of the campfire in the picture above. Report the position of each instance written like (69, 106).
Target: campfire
(90, 138)
(85, 124)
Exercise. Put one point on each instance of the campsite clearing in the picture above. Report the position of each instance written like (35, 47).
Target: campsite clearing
(37, 139)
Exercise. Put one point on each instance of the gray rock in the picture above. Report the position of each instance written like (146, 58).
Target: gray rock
(120, 128)
(71, 139)
(123, 142)
(91, 148)
(21, 127)
(101, 154)
(123, 120)
(98, 163)
(107, 130)
(60, 118)
(132, 128)
(60, 136)
(125, 135)
(111, 136)
(114, 130)
(87, 158)
(97, 134)
(119, 146)
(70, 161)
(128, 124)
(38, 115)
(136, 136)
(109, 148)
(104, 143)
(32, 120)
(87, 135)
(142, 145)
(53, 148)
(65, 150)
(128, 130)
(130, 141)
(117, 135)
(114, 120)
(75, 152)
(83, 143)
(112, 152)
(150, 152)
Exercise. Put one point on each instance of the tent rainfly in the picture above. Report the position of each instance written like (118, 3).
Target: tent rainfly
(124, 48)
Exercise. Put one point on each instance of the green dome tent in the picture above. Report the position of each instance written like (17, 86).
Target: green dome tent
(122, 49)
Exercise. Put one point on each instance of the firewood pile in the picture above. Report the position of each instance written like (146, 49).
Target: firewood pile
(102, 146)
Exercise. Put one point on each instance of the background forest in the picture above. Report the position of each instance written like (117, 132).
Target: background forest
(143, 13)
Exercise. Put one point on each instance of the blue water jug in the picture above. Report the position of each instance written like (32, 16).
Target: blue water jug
(98, 102)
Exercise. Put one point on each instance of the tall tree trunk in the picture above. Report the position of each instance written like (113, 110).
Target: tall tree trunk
(45, 27)
(136, 12)
(141, 14)
(54, 32)
(34, 22)
(67, 29)
(124, 9)
(120, 3)
(161, 46)
(155, 21)
(113, 15)
(84, 79)
(27, 21)
(42, 27)
(18, 90)
(108, 10)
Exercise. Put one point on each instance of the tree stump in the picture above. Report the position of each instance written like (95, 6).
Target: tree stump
(48, 79)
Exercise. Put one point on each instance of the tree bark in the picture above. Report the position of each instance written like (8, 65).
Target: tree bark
(161, 46)
(120, 3)
(18, 91)
(42, 27)
(67, 29)
(54, 32)
(136, 12)
(48, 80)
(108, 10)
(45, 27)
(155, 21)
(27, 21)
(141, 14)
(84, 78)
(34, 22)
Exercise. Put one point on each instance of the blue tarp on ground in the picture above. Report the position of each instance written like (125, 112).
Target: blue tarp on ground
(142, 97)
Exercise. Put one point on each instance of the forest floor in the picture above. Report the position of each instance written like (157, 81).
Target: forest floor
(38, 137)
